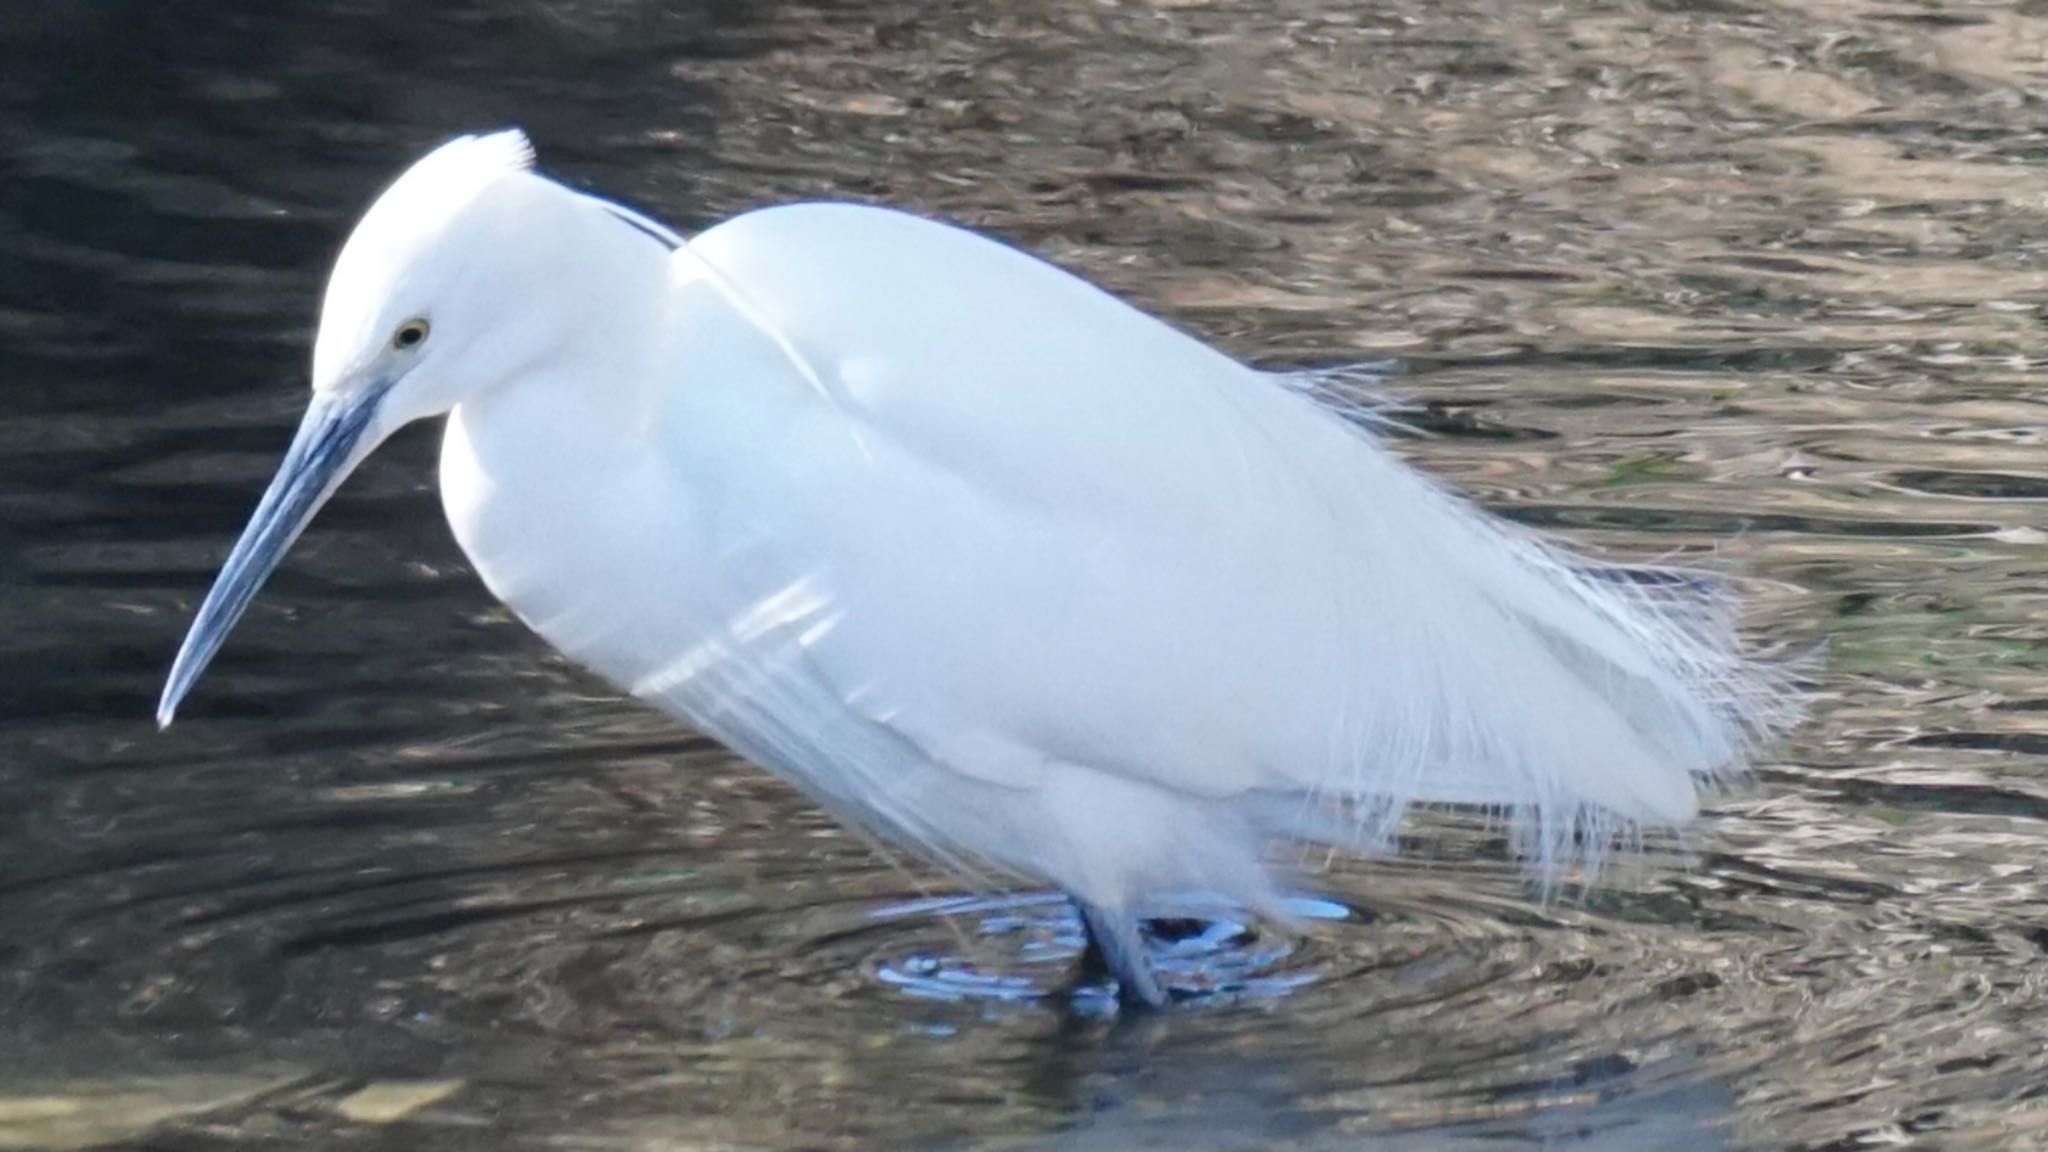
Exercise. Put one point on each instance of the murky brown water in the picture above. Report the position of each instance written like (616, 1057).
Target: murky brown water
(1767, 276)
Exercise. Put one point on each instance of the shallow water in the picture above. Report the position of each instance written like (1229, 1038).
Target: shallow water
(1765, 278)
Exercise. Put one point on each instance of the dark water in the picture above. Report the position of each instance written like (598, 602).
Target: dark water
(1764, 276)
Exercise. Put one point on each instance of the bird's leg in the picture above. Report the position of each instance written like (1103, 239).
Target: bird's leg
(1093, 967)
(1117, 949)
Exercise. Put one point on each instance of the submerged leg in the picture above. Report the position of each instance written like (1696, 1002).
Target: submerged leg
(1116, 948)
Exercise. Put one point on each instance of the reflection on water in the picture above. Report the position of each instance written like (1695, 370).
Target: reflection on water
(1765, 277)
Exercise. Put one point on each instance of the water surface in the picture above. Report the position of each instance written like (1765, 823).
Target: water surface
(1760, 278)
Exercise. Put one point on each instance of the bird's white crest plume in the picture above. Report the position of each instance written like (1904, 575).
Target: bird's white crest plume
(987, 560)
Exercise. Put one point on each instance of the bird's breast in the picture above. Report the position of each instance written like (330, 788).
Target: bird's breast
(633, 504)
(570, 521)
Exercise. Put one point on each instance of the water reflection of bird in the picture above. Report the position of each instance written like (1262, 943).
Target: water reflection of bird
(981, 557)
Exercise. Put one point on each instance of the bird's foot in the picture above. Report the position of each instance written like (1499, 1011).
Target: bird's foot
(1116, 949)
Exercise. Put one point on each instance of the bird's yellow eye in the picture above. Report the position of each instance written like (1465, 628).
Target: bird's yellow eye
(410, 334)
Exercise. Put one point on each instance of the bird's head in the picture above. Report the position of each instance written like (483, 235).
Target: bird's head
(441, 292)
(448, 284)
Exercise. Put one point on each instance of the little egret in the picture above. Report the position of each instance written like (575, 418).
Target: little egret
(984, 559)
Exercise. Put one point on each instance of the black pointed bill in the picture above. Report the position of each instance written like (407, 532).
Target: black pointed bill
(329, 443)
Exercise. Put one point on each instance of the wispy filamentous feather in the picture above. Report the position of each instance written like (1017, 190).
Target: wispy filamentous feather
(1656, 645)
(751, 688)
(1356, 391)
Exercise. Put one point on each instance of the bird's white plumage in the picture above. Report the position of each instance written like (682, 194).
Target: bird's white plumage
(989, 560)
(998, 563)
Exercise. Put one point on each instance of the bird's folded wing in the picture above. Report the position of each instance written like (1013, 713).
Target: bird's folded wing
(1039, 527)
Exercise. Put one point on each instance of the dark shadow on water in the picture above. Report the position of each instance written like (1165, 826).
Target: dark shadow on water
(1144, 1084)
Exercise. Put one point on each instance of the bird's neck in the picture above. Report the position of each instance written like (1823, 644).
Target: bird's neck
(620, 278)
(609, 281)
(582, 399)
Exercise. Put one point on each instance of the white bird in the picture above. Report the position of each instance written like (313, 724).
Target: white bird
(984, 559)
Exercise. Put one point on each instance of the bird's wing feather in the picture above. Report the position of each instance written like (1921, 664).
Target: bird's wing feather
(1054, 530)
